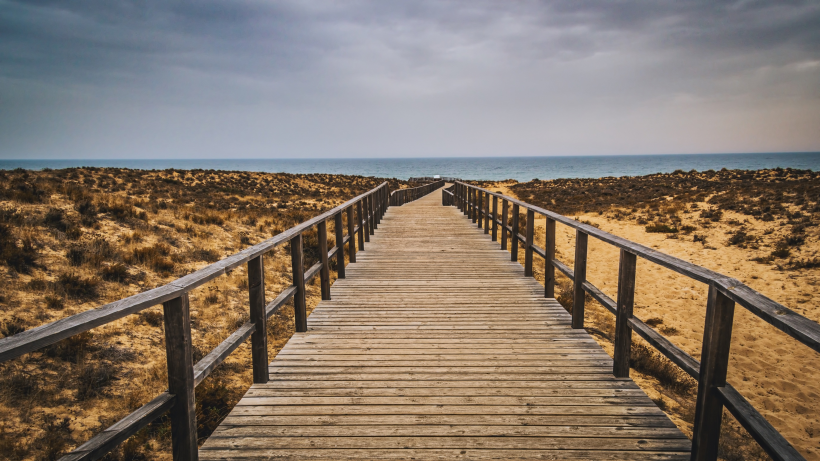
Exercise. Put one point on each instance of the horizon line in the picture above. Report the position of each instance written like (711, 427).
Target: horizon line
(406, 158)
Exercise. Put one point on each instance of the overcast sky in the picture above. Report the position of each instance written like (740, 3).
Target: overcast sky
(257, 78)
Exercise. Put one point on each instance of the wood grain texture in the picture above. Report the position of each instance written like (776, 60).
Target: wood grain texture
(435, 346)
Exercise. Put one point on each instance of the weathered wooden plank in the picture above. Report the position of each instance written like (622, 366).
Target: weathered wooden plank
(442, 454)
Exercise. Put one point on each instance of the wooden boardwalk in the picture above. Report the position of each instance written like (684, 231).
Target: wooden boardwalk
(436, 346)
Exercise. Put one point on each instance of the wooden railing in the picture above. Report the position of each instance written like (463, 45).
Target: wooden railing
(447, 197)
(432, 179)
(402, 196)
(713, 391)
(183, 374)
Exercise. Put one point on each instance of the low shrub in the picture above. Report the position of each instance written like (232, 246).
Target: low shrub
(659, 228)
(207, 218)
(54, 302)
(653, 322)
(55, 219)
(739, 237)
(152, 318)
(794, 240)
(207, 255)
(213, 402)
(77, 287)
(808, 263)
(17, 383)
(649, 361)
(55, 439)
(92, 377)
(71, 349)
(114, 273)
(712, 214)
(154, 256)
(12, 326)
(21, 257)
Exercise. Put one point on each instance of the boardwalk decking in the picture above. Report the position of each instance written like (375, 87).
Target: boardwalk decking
(436, 346)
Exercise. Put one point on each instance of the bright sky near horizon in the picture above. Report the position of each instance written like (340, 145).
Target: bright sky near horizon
(298, 79)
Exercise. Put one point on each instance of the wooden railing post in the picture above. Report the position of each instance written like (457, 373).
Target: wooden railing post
(379, 207)
(324, 272)
(360, 221)
(298, 269)
(365, 221)
(528, 248)
(383, 200)
(626, 300)
(505, 205)
(495, 218)
(457, 193)
(486, 212)
(351, 232)
(371, 213)
(340, 245)
(179, 356)
(259, 337)
(514, 236)
(581, 239)
(549, 267)
(717, 337)
(473, 214)
(480, 208)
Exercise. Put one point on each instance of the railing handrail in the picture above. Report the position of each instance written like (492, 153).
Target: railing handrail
(795, 325)
(713, 391)
(45, 335)
(401, 196)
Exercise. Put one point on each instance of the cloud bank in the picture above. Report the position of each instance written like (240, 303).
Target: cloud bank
(254, 78)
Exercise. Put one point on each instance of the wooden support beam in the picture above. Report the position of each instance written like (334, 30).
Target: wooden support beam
(487, 213)
(717, 338)
(259, 337)
(626, 301)
(514, 236)
(528, 248)
(324, 273)
(580, 272)
(480, 209)
(298, 269)
(338, 227)
(179, 356)
(549, 256)
(351, 232)
(495, 218)
(505, 211)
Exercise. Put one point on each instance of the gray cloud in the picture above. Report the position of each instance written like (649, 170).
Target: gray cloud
(367, 78)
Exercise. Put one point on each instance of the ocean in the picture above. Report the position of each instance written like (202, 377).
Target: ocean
(480, 168)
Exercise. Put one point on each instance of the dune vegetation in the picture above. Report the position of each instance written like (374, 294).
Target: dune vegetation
(75, 239)
(760, 227)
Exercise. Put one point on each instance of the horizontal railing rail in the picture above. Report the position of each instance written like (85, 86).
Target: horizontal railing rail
(402, 196)
(713, 390)
(183, 374)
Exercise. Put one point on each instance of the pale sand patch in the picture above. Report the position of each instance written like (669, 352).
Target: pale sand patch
(777, 374)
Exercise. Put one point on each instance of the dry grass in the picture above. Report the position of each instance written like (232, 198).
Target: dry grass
(74, 239)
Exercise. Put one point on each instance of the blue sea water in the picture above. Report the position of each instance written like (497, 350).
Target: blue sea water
(486, 168)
